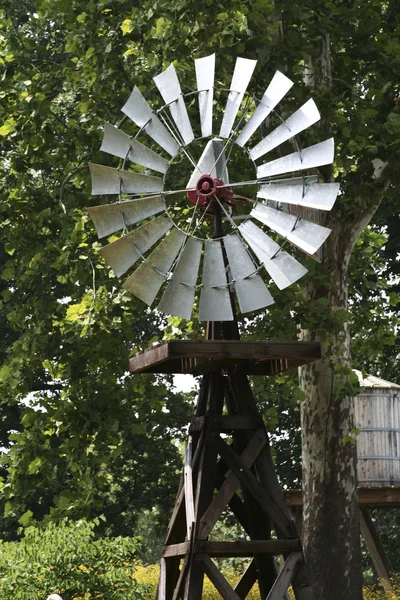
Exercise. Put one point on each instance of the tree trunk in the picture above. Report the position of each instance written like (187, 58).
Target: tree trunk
(331, 532)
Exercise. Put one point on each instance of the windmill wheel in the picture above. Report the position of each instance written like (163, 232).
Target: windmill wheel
(192, 223)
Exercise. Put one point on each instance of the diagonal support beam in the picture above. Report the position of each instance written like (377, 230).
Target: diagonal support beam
(216, 577)
(285, 577)
(230, 486)
(376, 550)
(249, 480)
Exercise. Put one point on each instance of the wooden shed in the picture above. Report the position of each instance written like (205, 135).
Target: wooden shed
(377, 416)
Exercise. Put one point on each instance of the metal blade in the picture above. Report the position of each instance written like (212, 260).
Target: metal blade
(283, 268)
(320, 196)
(241, 76)
(107, 180)
(215, 302)
(118, 143)
(123, 253)
(306, 116)
(250, 289)
(146, 281)
(205, 71)
(274, 93)
(212, 162)
(303, 234)
(178, 297)
(313, 156)
(170, 89)
(108, 218)
(137, 109)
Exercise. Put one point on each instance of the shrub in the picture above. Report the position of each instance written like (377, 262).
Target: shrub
(65, 558)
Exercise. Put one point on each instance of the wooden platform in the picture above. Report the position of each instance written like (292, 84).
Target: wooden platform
(370, 497)
(206, 356)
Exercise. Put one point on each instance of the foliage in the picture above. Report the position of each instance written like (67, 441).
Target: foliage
(66, 558)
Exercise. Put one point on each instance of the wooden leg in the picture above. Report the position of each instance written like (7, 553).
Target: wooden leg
(376, 550)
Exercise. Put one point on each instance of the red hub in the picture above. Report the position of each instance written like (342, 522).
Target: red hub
(206, 190)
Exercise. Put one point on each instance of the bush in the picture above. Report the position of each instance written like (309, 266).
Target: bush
(65, 558)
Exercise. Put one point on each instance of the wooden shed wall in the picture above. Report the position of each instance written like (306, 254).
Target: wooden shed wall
(377, 415)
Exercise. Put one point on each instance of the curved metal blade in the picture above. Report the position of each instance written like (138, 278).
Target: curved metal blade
(137, 109)
(250, 289)
(107, 180)
(205, 72)
(109, 218)
(320, 196)
(305, 235)
(118, 143)
(313, 156)
(123, 253)
(212, 162)
(215, 302)
(241, 76)
(146, 281)
(170, 89)
(178, 297)
(306, 116)
(274, 93)
(283, 268)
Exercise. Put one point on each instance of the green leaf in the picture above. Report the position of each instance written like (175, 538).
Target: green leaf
(26, 517)
(8, 127)
(35, 466)
(90, 52)
(127, 26)
(74, 311)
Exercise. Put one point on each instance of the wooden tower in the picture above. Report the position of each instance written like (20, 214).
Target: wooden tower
(228, 465)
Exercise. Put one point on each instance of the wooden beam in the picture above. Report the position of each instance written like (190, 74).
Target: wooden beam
(228, 488)
(189, 503)
(162, 584)
(247, 580)
(376, 550)
(285, 577)
(248, 547)
(227, 423)
(176, 550)
(216, 577)
(181, 578)
(372, 497)
(259, 493)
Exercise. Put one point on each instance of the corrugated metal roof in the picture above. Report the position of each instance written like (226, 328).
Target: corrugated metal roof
(371, 381)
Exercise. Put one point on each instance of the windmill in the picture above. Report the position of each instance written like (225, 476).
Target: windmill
(194, 232)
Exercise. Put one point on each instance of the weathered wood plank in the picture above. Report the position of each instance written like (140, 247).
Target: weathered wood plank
(227, 423)
(246, 477)
(176, 550)
(229, 486)
(375, 549)
(206, 479)
(372, 497)
(169, 354)
(247, 547)
(189, 503)
(285, 576)
(216, 577)
(247, 580)
(181, 579)
(162, 584)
